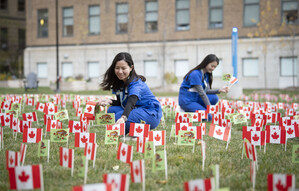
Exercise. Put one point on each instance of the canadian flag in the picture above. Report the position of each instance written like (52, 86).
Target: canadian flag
(195, 117)
(50, 108)
(12, 159)
(272, 117)
(225, 123)
(66, 157)
(5, 119)
(258, 123)
(227, 110)
(182, 117)
(275, 136)
(84, 119)
(82, 138)
(140, 143)
(89, 109)
(199, 130)
(250, 151)
(217, 117)
(26, 177)
(79, 111)
(204, 114)
(125, 153)
(6, 105)
(76, 104)
(29, 116)
(292, 131)
(280, 105)
(219, 132)
(181, 126)
(46, 117)
(120, 182)
(30, 101)
(289, 112)
(277, 182)
(158, 137)
(22, 152)
(200, 184)
(53, 124)
(75, 126)
(84, 126)
(139, 129)
(32, 135)
(212, 109)
(14, 124)
(257, 138)
(137, 171)
(119, 127)
(40, 106)
(295, 106)
(94, 187)
(90, 151)
(23, 125)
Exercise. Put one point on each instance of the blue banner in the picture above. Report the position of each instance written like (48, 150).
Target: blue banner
(235, 51)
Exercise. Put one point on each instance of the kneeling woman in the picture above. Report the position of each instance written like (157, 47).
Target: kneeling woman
(135, 101)
(195, 91)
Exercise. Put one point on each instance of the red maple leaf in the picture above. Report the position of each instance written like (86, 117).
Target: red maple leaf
(65, 156)
(223, 124)
(136, 170)
(77, 126)
(139, 129)
(216, 118)
(29, 101)
(114, 183)
(184, 128)
(140, 144)
(219, 132)
(290, 131)
(180, 118)
(194, 116)
(157, 138)
(197, 189)
(84, 139)
(7, 120)
(23, 177)
(89, 150)
(6, 106)
(51, 110)
(123, 152)
(250, 151)
(275, 135)
(227, 111)
(257, 124)
(14, 123)
(212, 109)
(255, 137)
(280, 186)
(29, 117)
(89, 109)
(41, 107)
(53, 125)
(11, 160)
(31, 135)
(269, 117)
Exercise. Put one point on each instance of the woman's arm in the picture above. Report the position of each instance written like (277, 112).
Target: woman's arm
(202, 94)
(129, 107)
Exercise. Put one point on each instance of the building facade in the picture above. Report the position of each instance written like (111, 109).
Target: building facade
(12, 38)
(166, 38)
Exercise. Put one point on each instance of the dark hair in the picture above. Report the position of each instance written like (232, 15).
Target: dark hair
(111, 81)
(207, 60)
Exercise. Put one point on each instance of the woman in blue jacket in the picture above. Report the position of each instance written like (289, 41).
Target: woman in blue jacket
(135, 101)
(195, 91)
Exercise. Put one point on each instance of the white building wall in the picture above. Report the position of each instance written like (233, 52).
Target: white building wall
(166, 54)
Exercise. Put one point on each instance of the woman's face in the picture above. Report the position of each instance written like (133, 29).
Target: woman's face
(122, 70)
(211, 67)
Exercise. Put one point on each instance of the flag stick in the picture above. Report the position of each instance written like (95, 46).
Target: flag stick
(285, 147)
(41, 178)
(85, 170)
(242, 150)
(165, 158)
(72, 170)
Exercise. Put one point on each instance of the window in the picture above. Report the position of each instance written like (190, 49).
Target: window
(67, 69)
(21, 5)
(22, 38)
(151, 16)
(150, 68)
(289, 11)
(68, 21)
(93, 69)
(3, 4)
(122, 20)
(42, 70)
(218, 71)
(251, 12)
(250, 67)
(94, 19)
(181, 68)
(4, 38)
(288, 66)
(182, 15)
(42, 23)
(215, 13)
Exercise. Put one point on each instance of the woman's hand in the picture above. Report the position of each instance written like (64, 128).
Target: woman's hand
(224, 89)
(122, 119)
(104, 102)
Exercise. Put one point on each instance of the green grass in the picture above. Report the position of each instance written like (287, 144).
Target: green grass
(183, 165)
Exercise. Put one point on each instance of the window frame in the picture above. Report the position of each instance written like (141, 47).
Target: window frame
(214, 26)
(144, 68)
(46, 22)
(4, 38)
(21, 6)
(282, 12)
(63, 22)
(62, 71)
(6, 6)
(295, 74)
(88, 69)
(22, 39)
(177, 27)
(94, 16)
(37, 70)
(148, 12)
(176, 61)
(243, 68)
(244, 8)
(118, 14)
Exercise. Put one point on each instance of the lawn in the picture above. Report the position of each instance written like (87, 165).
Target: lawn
(183, 164)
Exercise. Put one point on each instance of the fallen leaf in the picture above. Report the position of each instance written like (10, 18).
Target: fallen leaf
(161, 181)
(115, 167)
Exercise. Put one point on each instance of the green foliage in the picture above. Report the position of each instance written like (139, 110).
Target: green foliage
(170, 78)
